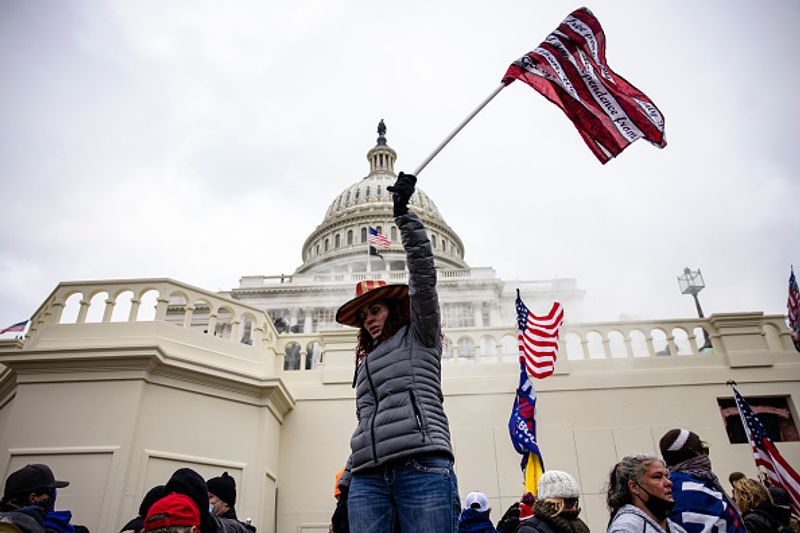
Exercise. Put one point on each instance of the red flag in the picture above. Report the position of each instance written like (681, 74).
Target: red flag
(569, 68)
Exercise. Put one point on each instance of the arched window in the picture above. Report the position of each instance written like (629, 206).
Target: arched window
(348, 197)
(368, 192)
(379, 228)
(433, 240)
(349, 237)
(326, 244)
(363, 234)
(317, 252)
(357, 193)
(337, 241)
(380, 190)
(394, 233)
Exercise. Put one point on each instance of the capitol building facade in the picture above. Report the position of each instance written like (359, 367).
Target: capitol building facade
(117, 383)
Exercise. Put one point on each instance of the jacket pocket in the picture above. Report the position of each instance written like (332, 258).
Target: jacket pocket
(417, 413)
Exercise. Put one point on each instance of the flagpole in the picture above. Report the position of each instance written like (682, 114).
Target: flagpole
(368, 254)
(458, 128)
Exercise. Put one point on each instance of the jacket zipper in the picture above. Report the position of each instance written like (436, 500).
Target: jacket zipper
(375, 414)
(417, 413)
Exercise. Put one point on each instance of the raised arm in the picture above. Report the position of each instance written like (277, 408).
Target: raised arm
(424, 301)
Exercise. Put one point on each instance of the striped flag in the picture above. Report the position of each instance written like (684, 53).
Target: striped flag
(569, 68)
(768, 458)
(793, 304)
(537, 337)
(522, 429)
(19, 326)
(377, 238)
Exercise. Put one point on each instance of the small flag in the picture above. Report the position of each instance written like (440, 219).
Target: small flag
(537, 337)
(793, 305)
(377, 238)
(19, 326)
(522, 429)
(569, 68)
(767, 456)
(374, 251)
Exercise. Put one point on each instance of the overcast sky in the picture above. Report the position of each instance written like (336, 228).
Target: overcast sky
(203, 141)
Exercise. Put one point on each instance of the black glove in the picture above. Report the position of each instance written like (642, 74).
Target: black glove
(510, 520)
(401, 191)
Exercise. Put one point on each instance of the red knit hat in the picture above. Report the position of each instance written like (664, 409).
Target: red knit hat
(172, 510)
(368, 291)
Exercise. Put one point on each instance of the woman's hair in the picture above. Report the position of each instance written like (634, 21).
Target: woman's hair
(631, 468)
(750, 494)
(398, 317)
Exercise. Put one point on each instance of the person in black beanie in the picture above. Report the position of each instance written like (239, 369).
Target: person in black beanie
(188, 482)
(222, 495)
(153, 495)
(222, 498)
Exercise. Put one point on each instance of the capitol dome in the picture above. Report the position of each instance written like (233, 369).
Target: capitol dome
(339, 243)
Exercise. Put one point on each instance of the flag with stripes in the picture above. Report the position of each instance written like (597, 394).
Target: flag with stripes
(377, 238)
(537, 337)
(522, 429)
(768, 458)
(793, 304)
(19, 326)
(569, 68)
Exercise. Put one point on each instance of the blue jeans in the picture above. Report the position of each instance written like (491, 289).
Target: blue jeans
(418, 494)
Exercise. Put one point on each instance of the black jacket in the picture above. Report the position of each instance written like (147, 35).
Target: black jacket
(766, 518)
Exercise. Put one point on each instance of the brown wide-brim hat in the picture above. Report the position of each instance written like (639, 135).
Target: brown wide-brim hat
(368, 291)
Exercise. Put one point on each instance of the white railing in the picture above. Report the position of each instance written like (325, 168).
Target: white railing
(172, 301)
(587, 341)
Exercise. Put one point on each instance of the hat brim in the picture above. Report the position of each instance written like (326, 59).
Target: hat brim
(58, 485)
(347, 315)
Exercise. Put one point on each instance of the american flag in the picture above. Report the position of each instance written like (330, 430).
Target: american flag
(377, 238)
(793, 304)
(569, 68)
(19, 326)
(522, 430)
(778, 471)
(538, 338)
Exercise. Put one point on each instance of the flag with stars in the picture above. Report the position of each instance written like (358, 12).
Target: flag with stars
(793, 304)
(522, 429)
(768, 458)
(537, 337)
(377, 238)
(19, 326)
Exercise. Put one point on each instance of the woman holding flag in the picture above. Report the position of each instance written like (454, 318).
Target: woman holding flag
(401, 458)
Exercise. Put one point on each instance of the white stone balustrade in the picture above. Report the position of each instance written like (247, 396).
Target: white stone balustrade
(735, 336)
(244, 323)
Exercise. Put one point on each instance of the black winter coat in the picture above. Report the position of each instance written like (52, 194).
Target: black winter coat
(766, 518)
(398, 384)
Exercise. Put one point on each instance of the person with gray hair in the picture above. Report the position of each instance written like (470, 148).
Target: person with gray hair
(640, 496)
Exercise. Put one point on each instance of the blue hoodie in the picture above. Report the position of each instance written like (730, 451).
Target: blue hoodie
(473, 521)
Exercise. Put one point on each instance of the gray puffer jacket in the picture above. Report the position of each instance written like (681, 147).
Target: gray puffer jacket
(631, 519)
(398, 385)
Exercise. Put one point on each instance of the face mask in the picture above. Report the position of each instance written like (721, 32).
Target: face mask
(210, 508)
(658, 507)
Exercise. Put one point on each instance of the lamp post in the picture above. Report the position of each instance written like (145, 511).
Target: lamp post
(692, 283)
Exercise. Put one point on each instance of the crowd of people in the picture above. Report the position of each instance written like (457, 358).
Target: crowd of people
(675, 493)
(185, 504)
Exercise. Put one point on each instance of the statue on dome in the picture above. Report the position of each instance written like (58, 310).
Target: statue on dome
(381, 133)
